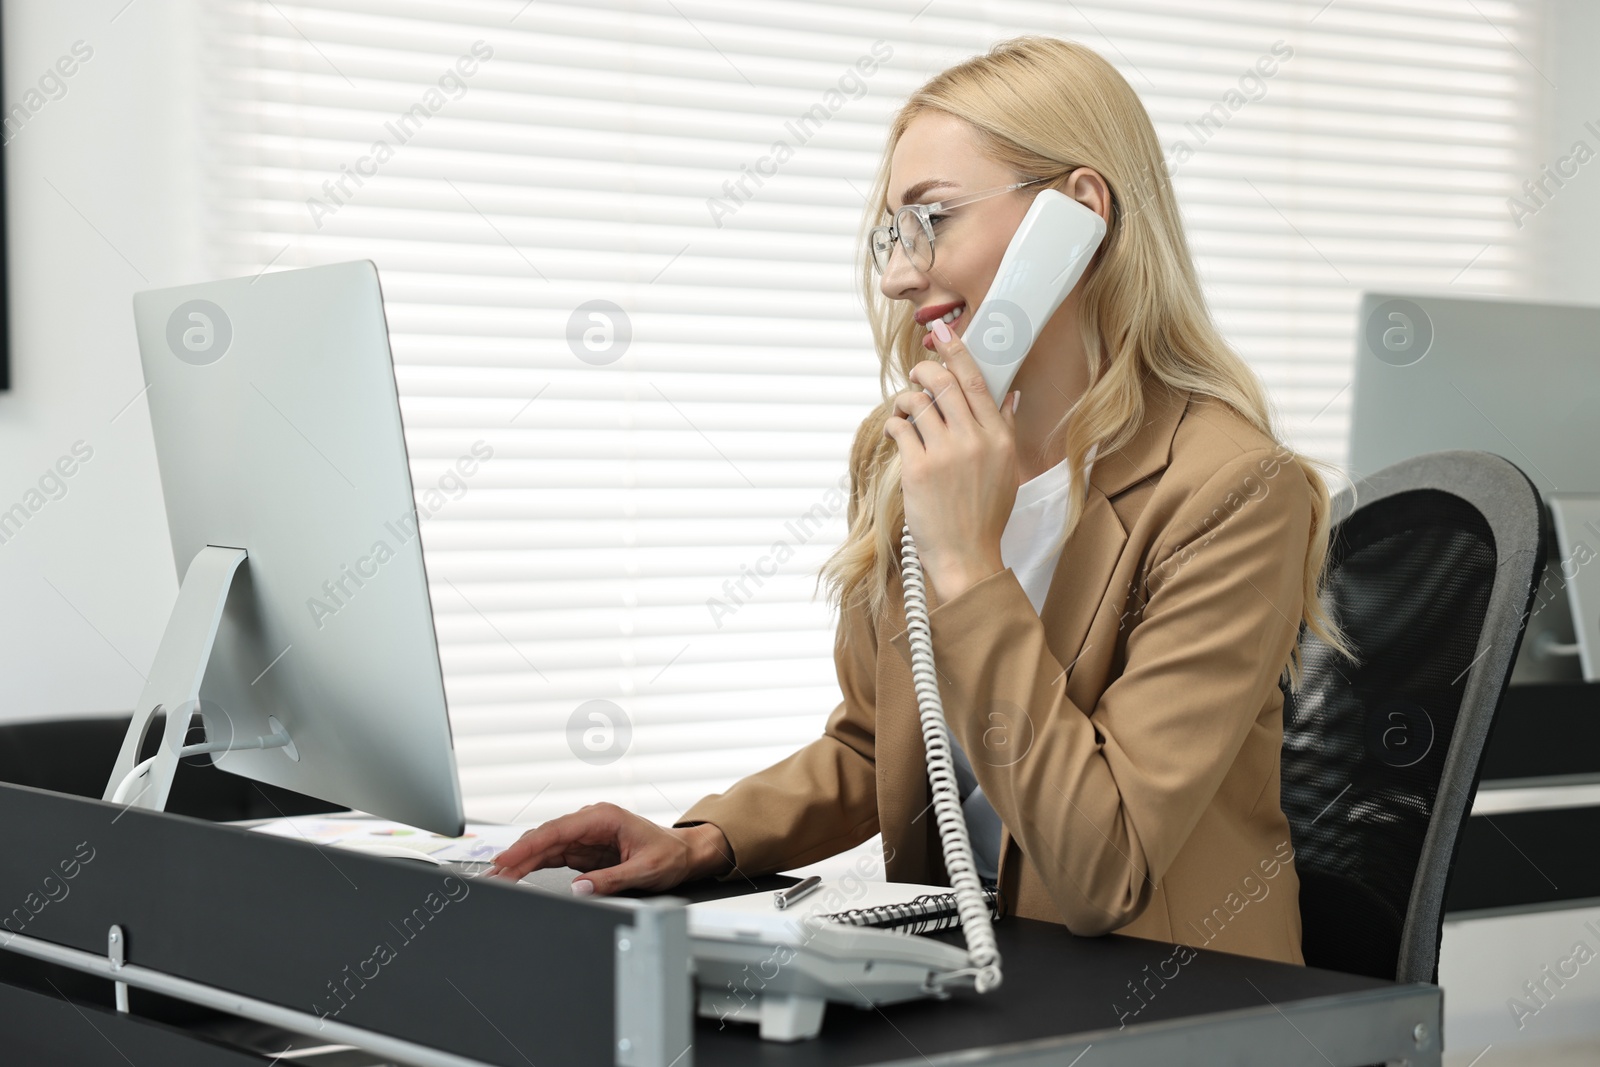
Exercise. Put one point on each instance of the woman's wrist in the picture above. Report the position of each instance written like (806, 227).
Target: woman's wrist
(710, 855)
(956, 578)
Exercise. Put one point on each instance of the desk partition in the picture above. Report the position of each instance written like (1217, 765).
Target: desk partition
(387, 954)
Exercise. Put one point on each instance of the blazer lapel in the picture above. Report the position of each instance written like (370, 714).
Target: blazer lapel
(1078, 586)
(1083, 570)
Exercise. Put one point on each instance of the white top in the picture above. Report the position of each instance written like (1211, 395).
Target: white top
(1028, 547)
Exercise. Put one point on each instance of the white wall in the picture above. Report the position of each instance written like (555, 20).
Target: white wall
(102, 195)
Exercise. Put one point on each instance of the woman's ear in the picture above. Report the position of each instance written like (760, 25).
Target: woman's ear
(1087, 187)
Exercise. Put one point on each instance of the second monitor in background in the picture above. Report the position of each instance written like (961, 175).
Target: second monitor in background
(1521, 380)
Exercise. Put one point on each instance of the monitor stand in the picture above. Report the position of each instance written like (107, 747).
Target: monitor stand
(173, 687)
(1577, 523)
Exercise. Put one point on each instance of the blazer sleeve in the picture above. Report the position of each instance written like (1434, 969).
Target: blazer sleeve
(1106, 796)
(821, 800)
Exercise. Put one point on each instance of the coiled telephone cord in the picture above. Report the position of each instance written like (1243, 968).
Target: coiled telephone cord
(982, 951)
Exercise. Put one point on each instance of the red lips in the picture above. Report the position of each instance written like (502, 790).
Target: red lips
(928, 314)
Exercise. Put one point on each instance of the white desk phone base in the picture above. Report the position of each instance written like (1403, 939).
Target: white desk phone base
(755, 963)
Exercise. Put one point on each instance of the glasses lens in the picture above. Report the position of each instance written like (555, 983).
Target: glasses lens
(881, 244)
(915, 238)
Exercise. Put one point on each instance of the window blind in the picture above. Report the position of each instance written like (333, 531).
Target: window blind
(601, 269)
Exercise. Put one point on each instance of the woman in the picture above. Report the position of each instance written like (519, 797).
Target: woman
(1120, 558)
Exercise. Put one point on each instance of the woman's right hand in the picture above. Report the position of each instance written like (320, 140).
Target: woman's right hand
(617, 850)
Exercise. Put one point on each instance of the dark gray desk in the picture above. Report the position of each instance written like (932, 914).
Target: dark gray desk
(236, 925)
(1063, 994)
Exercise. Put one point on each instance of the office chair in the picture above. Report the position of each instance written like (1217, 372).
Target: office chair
(1432, 568)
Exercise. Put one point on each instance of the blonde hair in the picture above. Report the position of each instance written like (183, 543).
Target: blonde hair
(1043, 106)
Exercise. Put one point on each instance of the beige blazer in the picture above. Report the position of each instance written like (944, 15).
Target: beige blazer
(1128, 734)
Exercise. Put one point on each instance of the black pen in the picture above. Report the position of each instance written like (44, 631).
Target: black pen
(784, 897)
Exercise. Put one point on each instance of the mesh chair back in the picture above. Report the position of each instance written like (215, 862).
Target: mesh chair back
(1432, 568)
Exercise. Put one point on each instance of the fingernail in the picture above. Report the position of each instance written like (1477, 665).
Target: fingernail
(1015, 400)
(583, 888)
(940, 330)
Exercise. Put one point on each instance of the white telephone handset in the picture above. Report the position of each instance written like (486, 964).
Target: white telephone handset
(864, 966)
(1049, 253)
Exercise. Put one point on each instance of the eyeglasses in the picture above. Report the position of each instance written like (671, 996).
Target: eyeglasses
(913, 227)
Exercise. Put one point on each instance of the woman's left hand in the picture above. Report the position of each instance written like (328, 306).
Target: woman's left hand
(958, 468)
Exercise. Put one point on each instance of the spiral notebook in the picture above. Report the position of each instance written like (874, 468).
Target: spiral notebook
(922, 914)
(905, 907)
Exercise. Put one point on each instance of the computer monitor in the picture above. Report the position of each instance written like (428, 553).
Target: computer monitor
(1518, 379)
(278, 437)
